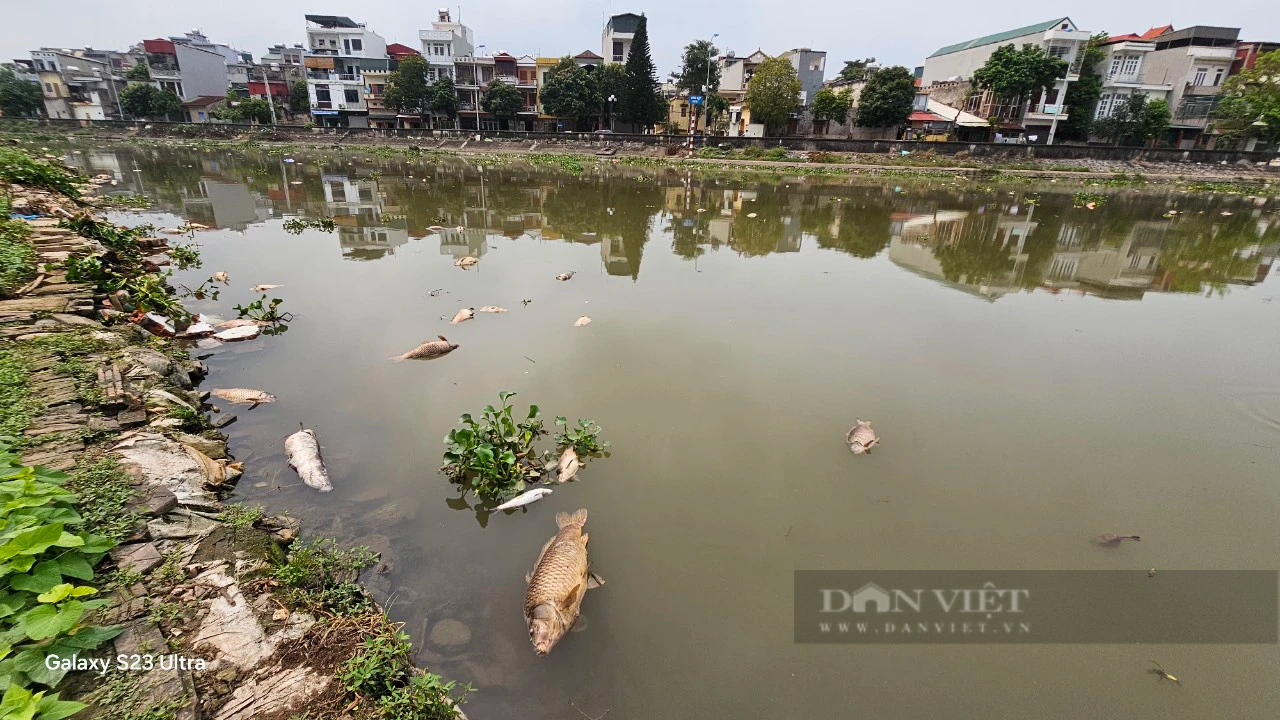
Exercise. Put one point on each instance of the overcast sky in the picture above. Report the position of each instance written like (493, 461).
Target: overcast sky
(894, 33)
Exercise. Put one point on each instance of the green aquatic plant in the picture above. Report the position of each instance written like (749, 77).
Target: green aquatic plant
(387, 685)
(185, 257)
(296, 226)
(585, 437)
(321, 576)
(493, 455)
(264, 311)
(18, 167)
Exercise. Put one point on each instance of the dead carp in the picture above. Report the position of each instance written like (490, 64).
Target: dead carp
(861, 437)
(303, 451)
(584, 320)
(466, 261)
(243, 396)
(492, 309)
(463, 315)
(568, 465)
(566, 275)
(560, 577)
(429, 349)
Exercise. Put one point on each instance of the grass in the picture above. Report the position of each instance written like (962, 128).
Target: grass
(121, 696)
(242, 516)
(17, 257)
(21, 168)
(17, 406)
(387, 686)
(104, 490)
(320, 576)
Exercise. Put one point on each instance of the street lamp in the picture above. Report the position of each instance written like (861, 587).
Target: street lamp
(706, 86)
(612, 100)
(476, 70)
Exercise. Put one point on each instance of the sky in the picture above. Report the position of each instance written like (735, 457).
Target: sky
(893, 34)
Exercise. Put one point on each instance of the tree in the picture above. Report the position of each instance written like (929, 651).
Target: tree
(240, 109)
(165, 104)
(1135, 121)
(569, 91)
(642, 103)
(442, 98)
(1013, 75)
(717, 107)
(149, 101)
(1082, 95)
(887, 99)
(501, 99)
(830, 105)
(17, 96)
(609, 80)
(139, 72)
(854, 70)
(299, 102)
(773, 93)
(1250, 105)
(696, 65)
(407, 90)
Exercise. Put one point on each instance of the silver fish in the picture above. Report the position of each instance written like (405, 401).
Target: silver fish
(526, 498)
(245, 396)
(492, 309)
(566, 276)
(584, 320)
(264, 288)
(463, 315)
(466, 262)
(568, 465)
(429, 349)
(303, 451)
(861, 437)
(560, 577)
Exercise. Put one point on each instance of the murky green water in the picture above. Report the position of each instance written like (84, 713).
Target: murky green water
(1039, 373)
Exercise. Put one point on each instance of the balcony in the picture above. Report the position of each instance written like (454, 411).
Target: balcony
(1201, 90)
(1211, 53)
(529, 109)
(333, 77)
(1047, 111)
(323, 105)
(1125, 78)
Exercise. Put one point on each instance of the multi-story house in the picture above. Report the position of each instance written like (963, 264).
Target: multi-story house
(735, 75)
(1195, 61)
(1124, 73)
(1247, 54)
(810, 66)
(339, 51)
(615, 41)
(375, 90)
(186, 70)
(473, 73)
(1035, 118)
(76, 86)
(238, 63)
(445, 45)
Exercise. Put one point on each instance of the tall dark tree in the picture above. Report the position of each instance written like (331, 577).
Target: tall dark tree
(1013, 75)
(18, 97)
(641, 102)
(299, 102)
(407, 89)
(442, 98)
(887, 98)
(696, 66)
(570, 91)
(501, 100)
(1082, 95)
(854, 70)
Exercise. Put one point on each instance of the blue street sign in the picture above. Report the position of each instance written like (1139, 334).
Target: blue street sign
(695, 99)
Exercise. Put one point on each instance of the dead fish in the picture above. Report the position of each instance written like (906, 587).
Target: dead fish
(584, 320)
(466, 261)
(527, 498)
(492, 309)
(244, 396)
(428, 349)
(172, 231)
(243, 332)
(560, 577)
(568, 465)
(751, 215)
(435, 228)
(303, 451)
(264, 288)
(221, 277)
(197, 226)
(463, 315)
(1113, 539)
(861, 437)
(238, 322)
(566, 275)
(460, 229)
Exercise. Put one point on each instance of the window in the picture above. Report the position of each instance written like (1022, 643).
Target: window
(352, 96)
(1059, 51)
(322, 93)
(1115, 65)
(1131, 64)
(1217, 77)
(1201, 75)
(356, 45)
(439, 49)
(684, 110)
(617, 51)
(48, 88)
(1104, 106)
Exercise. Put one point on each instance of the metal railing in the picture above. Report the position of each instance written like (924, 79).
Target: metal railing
(1193, 89)
(1136, 77)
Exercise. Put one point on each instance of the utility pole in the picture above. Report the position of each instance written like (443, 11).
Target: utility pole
(706, 85)
(477, 79)
(266, 81)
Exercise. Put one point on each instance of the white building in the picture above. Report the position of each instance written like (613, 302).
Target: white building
(1124, 72)
(75, 86)
(444, 41)
(615, 41)
(1039, 116)
(339, 50)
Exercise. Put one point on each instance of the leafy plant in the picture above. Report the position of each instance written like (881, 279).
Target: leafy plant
(17, 257)
(17, 166)
(585, 437)
(185, 257)
(321, 576)
(494, 455)
(242, 516)
(268, 313)
(42, 607)
(121, 266)
(386, 683)
(295, 226)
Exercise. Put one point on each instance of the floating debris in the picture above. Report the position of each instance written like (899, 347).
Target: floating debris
(238, 322)
(428, 349)
(463, 315)
(303, 451)
(221, 277)
(1164, 674)
(566, 275)
(1113, 539)
(243, 396)
(861, 437)
(584, 320)
(523, 499)
(242, 332)
(263, 288)
(435, 228)
(466, 261)
(492, 309)
(560, 578)
(751, 215)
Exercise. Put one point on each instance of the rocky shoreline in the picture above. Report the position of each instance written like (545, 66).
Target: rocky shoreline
(224, 615)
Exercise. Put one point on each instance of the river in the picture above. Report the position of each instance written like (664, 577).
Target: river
(1039, 372)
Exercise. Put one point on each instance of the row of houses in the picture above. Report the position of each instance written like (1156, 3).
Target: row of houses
(1185, 67)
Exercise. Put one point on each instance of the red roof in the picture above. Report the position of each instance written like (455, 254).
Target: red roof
(926, 117)
(588, 55)
(1156, 32)
(163, 47)
(396, 50)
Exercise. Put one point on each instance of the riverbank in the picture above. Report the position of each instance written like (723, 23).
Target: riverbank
(772, 159)
(218, 610)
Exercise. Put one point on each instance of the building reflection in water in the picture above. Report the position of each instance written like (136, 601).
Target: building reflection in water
(987, 242)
